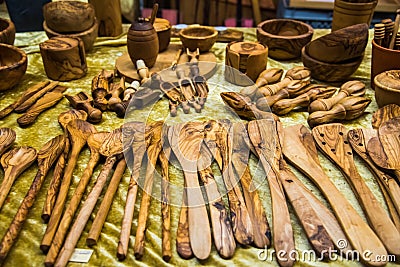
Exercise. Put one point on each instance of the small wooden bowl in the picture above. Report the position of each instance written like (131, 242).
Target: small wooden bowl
(284, 37)
(330, 72)
(7, 31)
(387, 88)
(88, 37)
(69, 16)
(13, 63)
(163, 29)
(201, 37)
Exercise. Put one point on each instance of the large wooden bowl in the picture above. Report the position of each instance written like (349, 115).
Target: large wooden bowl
(201, 37)
(387, 88)
(13, 63)
(330, 72)
(69, 16)
(88, 37)
(7, 31)
(284, 37)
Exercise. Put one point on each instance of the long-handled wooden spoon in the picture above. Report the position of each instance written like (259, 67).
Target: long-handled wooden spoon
(332, 140)
(14, 162)
(138, 150)
(263, 135)
(46, 157)
(78, 131)
(94, 142)
(112, 148)
(299, 148)
(182, 232)
(7, 138)
(185, 140)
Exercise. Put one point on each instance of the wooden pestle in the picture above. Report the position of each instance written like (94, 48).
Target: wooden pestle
(349, 108)
(101, 88)
(7, 138)
(47, 155)
(82, 101)
(268, 76)
(117, 89)
(284, 106)
(350, 88)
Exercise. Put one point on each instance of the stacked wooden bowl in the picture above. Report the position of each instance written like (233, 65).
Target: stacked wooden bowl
(71, 18)
(336, 56)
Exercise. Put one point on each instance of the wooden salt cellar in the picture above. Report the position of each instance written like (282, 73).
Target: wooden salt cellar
(250, 58)
(64, 58)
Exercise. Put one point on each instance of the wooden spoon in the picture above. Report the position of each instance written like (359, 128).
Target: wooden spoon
(112, 148)
(78, 131)
(14, 162)
(182, 232)
(299, 148)
(7, 138)
(138, 150)
(185, 140)
(94, 142)
(263, 135)
(383, 114)
(46, 158)
(332, 140)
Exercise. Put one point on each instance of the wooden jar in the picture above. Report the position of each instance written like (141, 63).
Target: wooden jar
(64, 58)
(347, 13)
(387, 88)
(244, 61)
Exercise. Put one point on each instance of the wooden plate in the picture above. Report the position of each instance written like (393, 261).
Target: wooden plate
(207, 65)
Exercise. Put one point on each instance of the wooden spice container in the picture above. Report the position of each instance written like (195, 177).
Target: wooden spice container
(245, 60)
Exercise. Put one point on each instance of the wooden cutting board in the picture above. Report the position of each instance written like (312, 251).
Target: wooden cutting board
(207, 65)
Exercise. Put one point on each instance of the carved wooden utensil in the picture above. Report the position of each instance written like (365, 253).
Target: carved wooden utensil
(29, 101)
(240, 158)
(45, 102)
(358, 139)
(268, 76)
(263, 135)
(332, 141)
(187, 88)
(112, 148)
(78, 131)
(299, 148)
(185, 140)
(224, 240)
(14, 162)
(138, 150)
(218, 136)
(153, 142)
(63, 119)
(94, 141)
(7, 138)
(82, 101)
(182, 232)
(101, 88)
(46, 158)
(385, 113)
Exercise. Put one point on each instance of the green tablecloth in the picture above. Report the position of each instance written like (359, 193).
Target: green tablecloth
(26, 251)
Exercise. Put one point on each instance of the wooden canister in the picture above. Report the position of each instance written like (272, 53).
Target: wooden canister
(64, 58)
(245, 60)
(346, 13)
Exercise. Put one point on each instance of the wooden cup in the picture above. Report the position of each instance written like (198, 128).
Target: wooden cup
(7, 31)
(346, 13)
(64, 58)
(383, 59)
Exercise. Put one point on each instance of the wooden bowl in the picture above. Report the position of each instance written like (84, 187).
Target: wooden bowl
(330, 72)
(7, 31)
(387, 88)
(340, 45)
(201, 37)
(69, 16)
(284, 37)
(13, 63)
(88, 37)
(163, 29)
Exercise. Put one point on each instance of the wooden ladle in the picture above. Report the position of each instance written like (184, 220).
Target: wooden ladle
(299, 148)
(7, 138)
(185, 140)
(332, 140)
(46, 158)
(14, 162)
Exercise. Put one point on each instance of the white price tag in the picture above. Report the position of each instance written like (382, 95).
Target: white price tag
(81, 255)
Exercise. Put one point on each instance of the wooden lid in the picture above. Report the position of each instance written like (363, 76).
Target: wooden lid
(60, 43)
(246, 48)
(389, 80)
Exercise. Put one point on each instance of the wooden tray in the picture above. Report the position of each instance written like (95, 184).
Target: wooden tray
(207, 65)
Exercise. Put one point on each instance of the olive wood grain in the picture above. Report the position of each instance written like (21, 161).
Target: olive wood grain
(263, 136)
(14, 162)
(185, 140)
(183, 246)
(332, 141)
(385, 113)
(268, 76)
(30, 99)
(7, 138)
(299, 148)
(389, 137)
(78, 132)
(101, 88)
(82, 101)
(46, 156)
